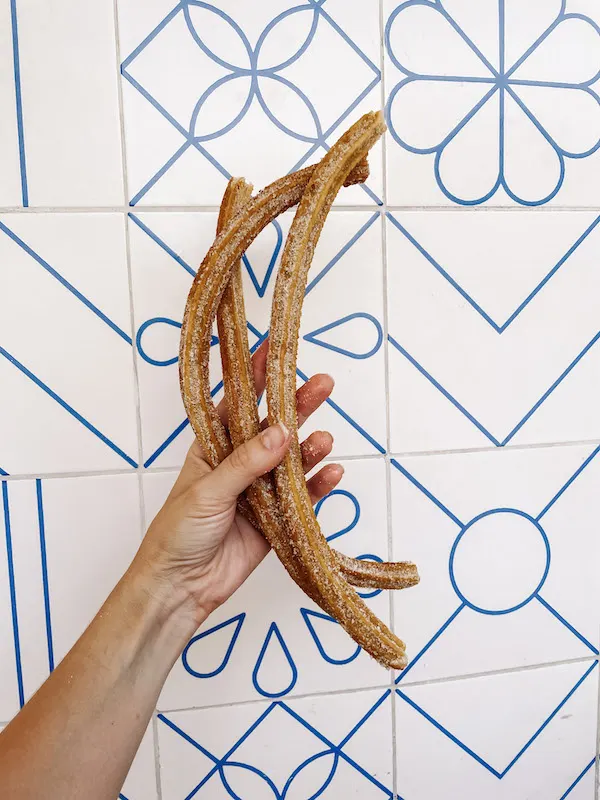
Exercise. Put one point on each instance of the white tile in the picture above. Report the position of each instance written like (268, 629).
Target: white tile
(193, 116)
(10, 157)
(70, 103)
(520, 735)
(493, 108)
(251, 647)
(484, 339)
(341, 329)
(67, 363)
(506, 531)
(66, 543)
(282, 747)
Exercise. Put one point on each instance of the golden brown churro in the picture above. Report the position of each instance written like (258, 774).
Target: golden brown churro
(244, 423)
(310, 546)
(206, 292)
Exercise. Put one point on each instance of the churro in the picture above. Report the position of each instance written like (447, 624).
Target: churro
(244, 423)
(311, 548)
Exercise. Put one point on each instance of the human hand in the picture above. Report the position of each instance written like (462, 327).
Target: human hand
(198, 544)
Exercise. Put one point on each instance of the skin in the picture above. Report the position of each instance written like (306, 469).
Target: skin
(77, 736)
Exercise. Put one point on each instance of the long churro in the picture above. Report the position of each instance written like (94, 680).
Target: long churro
(311, 547)
(244, 422)
(206, 292)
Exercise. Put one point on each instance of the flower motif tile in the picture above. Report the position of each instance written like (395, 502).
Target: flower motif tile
(66, 360)
(342, 323)
(479, 354)
(211, 89)
(328, 746)
(492, 102)
(498, 538)
(255, 647)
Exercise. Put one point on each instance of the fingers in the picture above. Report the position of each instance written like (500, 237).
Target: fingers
(315, 448)
(324, 481)
(310, 396)
(245, 464)
(259, 370)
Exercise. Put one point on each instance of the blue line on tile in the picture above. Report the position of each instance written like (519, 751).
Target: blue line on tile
(443, 391)
(161, 448)
(426, 492)
(3, 471)
(549, 391)
(345, 37)
(551, 717)
(19, 102)
(69, 286)
(364, 718)
(162, 244)
(44, 565)
(566, 485)
(498, 773)
(567, 625)
(447, 733)
(578, 779)
(66, 406)
(432, 641)
(145, 42)
(342, 252)
(13, 593)
(470, 417)
(187, 738)
(498, 328)
(158, 175)
(357, 427)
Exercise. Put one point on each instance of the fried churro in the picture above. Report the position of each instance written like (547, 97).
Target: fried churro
(310, 546)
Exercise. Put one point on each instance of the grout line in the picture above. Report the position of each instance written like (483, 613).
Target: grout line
(336, 207)
(328, 460)
(134, 364)
(506, 671)
(288, 698)
(386, 380)
(597, 765)
(384, 686)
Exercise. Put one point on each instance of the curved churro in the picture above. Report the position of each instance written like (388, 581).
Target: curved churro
(204, 297)
(311, 547)
(244, 423)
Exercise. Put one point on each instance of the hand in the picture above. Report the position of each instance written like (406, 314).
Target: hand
(198, 544)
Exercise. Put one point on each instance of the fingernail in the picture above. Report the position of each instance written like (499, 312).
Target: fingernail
(275, 437)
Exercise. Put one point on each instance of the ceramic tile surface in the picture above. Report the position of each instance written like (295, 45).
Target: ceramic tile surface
(454, 298)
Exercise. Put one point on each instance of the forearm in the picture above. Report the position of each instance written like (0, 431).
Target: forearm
(79, 733)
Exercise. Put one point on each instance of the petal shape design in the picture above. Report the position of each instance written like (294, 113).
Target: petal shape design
(569, 54)
(221, 107)
(421, 40)
(289, 108)
(576, 129)
(218, 35)
(526, 24)
(333, 643)
(409, 116)
(371, 333)
(533, 168)
(222, 639)
(153, 335)
(479, 22)
(333, 512)
(312, 777)
(286, 37)
(467, 167)
(245, 782)
(273, 665)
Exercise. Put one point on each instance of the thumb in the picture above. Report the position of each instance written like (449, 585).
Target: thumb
(248, 462)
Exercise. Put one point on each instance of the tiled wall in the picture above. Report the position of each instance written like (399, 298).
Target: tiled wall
(455, 298)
